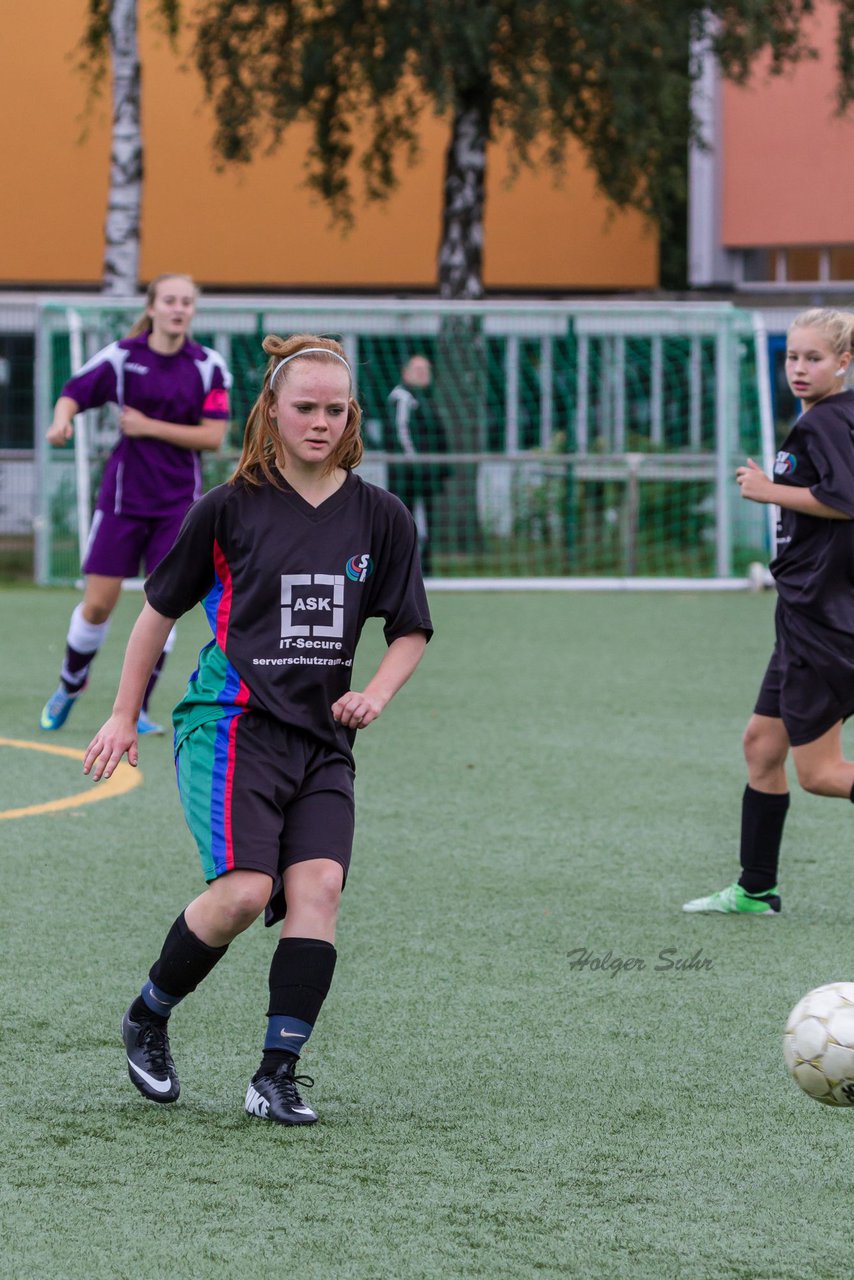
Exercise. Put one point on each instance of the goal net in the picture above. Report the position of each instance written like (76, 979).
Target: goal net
(553, 443)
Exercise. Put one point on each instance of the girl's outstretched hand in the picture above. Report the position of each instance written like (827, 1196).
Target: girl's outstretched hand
(117, 737)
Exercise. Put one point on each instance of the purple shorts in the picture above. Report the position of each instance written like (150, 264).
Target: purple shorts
(118, 544)
(259, 795)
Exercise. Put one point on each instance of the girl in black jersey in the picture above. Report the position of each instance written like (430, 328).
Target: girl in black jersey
(808, 689)
(289, 558)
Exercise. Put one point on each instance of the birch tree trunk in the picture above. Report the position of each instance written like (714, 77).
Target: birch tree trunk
(461, 372)
(124, 201)
(461, 250)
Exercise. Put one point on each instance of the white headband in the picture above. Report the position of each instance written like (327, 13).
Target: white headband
(304, 352)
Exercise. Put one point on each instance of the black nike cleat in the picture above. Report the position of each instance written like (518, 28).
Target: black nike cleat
(274, 1096)
(150, 1064)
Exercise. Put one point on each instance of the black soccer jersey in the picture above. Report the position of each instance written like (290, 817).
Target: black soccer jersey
(814, 567)
(287, 588)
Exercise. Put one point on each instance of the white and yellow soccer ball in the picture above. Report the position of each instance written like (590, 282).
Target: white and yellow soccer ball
(818, 1044)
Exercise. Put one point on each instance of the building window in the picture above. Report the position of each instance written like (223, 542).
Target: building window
(757, 265)
(842, 262)
(798, 264)
(802, 265)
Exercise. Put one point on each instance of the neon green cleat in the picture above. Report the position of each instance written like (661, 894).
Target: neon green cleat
(733, 900)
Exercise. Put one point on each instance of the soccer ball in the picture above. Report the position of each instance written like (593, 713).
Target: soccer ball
(818, 1044)
(758, 576)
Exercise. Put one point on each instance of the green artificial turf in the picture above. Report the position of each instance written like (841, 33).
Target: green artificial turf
(561, 774)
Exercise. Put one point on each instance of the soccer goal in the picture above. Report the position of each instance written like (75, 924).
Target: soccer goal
(551, 444)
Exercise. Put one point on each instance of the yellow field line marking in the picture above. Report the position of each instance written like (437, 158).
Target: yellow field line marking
(124, 779)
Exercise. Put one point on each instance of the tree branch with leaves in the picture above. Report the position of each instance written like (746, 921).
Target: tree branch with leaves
(615, 75)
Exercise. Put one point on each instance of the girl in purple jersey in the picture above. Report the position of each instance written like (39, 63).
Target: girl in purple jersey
(173, 400)
(290, 558)
(808, 689)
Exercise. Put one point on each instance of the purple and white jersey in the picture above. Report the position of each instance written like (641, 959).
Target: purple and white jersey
(146, 477)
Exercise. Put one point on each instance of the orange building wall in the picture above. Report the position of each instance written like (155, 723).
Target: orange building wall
(788, 175)
(256, 226)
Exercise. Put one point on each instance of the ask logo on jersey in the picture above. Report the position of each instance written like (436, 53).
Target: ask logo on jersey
(312, 608)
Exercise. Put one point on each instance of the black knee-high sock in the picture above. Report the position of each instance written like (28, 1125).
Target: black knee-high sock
(153, 678)
(762, 819)
(182, 964)
(300, 977)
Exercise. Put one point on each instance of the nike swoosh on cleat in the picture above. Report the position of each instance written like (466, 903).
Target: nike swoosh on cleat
(304, 1111)
(159, 1086)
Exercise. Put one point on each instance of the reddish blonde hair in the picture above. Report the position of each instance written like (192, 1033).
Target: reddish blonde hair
(262, 452)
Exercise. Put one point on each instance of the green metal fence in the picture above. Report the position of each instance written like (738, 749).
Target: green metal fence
(578, 441)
